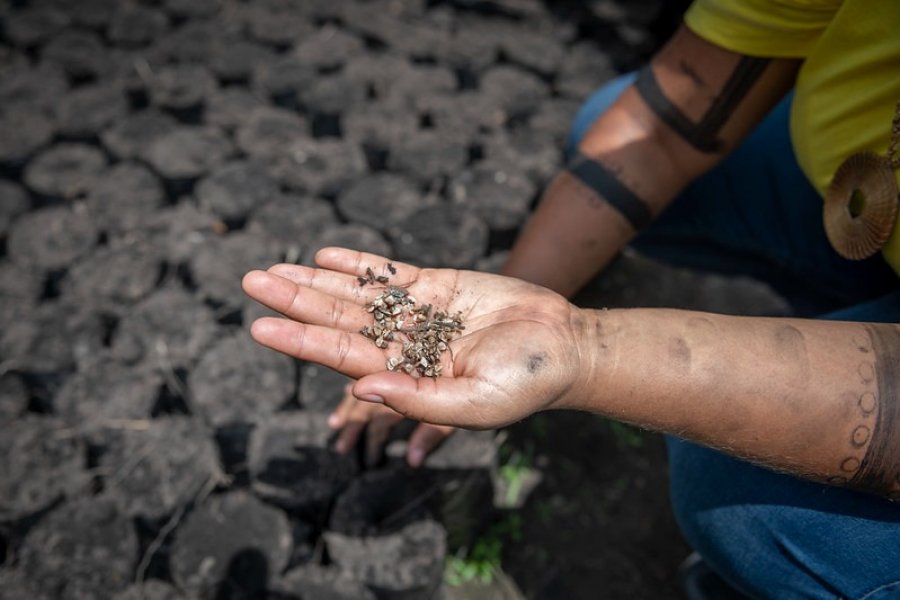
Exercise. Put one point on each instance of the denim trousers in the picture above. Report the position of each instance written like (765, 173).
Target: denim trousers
(768, 534)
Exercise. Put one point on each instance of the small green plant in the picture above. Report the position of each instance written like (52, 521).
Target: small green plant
(482, 561)
(514, 472)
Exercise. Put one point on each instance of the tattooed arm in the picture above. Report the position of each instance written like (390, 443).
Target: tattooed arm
(818, 399)
(691, 106)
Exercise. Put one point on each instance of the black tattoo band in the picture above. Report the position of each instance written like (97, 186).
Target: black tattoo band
(880, 466)
(597, 177)
(703, 135)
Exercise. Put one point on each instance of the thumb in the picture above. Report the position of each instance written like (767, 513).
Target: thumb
(442, 400)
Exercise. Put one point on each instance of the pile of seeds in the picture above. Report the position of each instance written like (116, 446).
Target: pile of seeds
(397, 317)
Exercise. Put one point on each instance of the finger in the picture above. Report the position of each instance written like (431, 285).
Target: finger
(423, 440)
(338, 417)
(442, 401)
(348, 353)
(339, 285)
(378, 431)
(349, 436)
(355, 263)
(304, 304)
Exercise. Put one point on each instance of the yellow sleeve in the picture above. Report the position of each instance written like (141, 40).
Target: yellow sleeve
(768, 28)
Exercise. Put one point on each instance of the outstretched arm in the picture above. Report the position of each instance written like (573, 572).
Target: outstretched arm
(814, 398)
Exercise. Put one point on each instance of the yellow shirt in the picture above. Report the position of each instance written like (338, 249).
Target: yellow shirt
(848, 85)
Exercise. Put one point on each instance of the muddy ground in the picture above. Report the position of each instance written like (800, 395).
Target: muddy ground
(151, 152)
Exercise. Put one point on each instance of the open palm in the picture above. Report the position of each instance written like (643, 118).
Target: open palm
(518, 353)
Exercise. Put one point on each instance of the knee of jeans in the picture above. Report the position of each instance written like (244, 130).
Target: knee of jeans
(595, 106)
(746, 542)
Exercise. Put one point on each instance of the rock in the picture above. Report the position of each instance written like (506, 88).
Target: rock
(231, 546)
(135, 25)
(441, 236)
(380, 200)
(279, 28)
(328, 48)
(80, 54)
(192, 9)
(65, 170)
(239, 381)
(13, 202)
(321, 388)
(292, 464)
(219, 263)
(321, 583)
(95, 14)
(152, 589)
(42, 460)
(235, 62)
(379, 125)
(427, 156)
(14, 397)
(227, 109)
(293, 221)
(125, 198)
(159, 466)
(233, 190)
(525, 149)
(554, 118)
(20, 284)
(269, 132)
(106, 392)
(182, 89)
(282, 79)
(33, 26)
(462, 116)
(417, 81)
(354, 236)
(333, 94)
(188, 153)
(532, 50)
(85, 111)
(22, 134)
(31, 89)
(169, 329)
(84, 549)
(181, 229)
(129, 135)
(501, 196)
(51, 238)
(319, 166)
(401, 565)
(52, 339)
(116, 276)
(516, 91)
(584, 70)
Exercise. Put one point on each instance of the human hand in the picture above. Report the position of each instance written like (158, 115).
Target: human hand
(520, 351)
(353, 416)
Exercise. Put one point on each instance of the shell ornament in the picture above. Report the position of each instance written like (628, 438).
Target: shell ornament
(861, 202)
(861, 206)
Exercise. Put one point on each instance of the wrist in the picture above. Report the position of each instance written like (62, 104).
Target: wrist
(595, 347)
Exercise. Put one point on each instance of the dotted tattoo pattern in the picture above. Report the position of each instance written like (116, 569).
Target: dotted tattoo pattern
(874, 460)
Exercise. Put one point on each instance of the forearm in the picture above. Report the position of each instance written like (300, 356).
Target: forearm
(814, 398)
(702, 102)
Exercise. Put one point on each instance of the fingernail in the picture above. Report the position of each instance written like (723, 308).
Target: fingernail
(372, 398)
(416, 456)
(334, 421)
(340, 448)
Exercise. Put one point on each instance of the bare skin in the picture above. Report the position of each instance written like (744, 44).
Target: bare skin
(717, 96)
(817, 399)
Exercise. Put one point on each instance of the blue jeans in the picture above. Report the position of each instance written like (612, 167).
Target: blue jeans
(768, 534)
